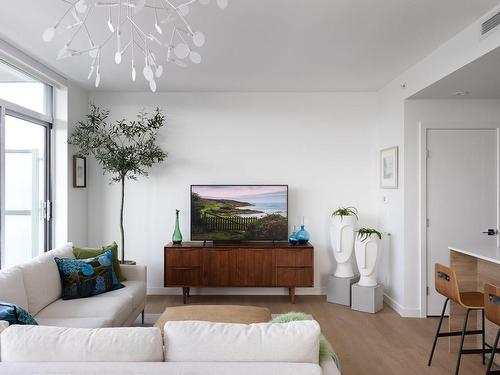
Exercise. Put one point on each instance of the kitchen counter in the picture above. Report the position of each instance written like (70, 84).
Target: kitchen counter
(474, 265)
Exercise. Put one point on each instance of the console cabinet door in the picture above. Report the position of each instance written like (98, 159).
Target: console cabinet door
(182, 267)
(254, 267)
(219, 266)
(294, 267)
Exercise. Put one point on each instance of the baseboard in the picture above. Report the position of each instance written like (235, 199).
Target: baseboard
(401, 310)
(237, 291)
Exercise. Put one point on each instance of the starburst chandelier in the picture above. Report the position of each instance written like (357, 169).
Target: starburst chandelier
(127, 35)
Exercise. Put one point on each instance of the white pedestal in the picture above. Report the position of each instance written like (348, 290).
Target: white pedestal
(367, 299)
(339, 289)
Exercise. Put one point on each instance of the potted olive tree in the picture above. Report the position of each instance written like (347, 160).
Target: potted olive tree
(124, 149)
(344, 223)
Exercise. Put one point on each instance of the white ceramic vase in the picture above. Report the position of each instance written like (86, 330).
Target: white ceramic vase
(367, 256)
(342, 231)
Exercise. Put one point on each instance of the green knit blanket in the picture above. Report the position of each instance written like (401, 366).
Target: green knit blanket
(326, 351)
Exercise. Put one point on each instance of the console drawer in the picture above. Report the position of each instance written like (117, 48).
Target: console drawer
(183, 258)
(294, 276)
(182, 276)
(294, 257)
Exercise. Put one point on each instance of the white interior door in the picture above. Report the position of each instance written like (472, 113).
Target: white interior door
(462, 196)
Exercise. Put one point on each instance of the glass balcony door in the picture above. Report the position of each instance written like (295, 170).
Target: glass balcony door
(26, 187)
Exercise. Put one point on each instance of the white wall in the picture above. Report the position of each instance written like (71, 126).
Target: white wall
(403, 290)
(321, 144)
(77, 198)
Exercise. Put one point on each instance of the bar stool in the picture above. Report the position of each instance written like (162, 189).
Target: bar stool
(447, 285)
(492, 311)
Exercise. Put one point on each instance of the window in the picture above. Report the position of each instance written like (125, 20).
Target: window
(25, 125)
(21, 89)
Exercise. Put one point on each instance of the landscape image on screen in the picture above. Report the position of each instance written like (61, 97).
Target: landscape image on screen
(239, 213)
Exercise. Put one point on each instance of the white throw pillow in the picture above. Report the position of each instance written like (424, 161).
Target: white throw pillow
(56, 344)
(196, 341)
(41, 278)
(12, 287)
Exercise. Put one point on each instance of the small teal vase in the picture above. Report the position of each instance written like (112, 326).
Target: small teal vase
(302, 235)
(293, 238)
(177, 236)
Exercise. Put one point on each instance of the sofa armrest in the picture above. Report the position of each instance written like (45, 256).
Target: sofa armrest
(3, 325)
(134, 273)
(330, 368)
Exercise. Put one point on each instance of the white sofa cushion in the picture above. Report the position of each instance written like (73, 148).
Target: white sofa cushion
(3, 325)
(136, 290)
(196, 341)
(114, 308)
(54, 344)
(12, 288)
(42, 280)
(161, 368)
(75, 322)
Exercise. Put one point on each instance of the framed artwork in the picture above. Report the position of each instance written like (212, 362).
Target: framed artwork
(389, 168)
(79, 172)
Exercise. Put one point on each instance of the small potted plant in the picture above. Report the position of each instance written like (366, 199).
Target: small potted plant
(343, 226)
(367, 250)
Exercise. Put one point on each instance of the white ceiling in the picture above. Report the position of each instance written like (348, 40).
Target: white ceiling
(478, 80)
(271, 45)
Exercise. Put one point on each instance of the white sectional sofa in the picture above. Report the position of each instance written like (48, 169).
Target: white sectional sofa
(36, 286)
(187, 348)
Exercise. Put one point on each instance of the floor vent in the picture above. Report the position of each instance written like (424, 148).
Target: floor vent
(490, 24)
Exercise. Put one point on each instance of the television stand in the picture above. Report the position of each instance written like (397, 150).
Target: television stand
(245, 264)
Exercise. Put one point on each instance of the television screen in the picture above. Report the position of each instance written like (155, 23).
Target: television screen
(239, 212)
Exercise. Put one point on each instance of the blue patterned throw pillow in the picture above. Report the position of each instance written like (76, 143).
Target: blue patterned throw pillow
(15, 314)
(87, 277)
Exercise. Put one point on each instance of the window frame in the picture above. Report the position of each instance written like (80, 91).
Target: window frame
(14, 110)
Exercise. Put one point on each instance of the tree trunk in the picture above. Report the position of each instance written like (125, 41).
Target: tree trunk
(121, 219)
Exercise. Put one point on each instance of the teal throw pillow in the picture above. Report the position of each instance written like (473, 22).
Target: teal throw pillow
(87, 277)
(15, 314)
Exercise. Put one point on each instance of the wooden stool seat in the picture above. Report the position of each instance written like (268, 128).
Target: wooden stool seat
(472, 300)
(447, 285)
(492, 311)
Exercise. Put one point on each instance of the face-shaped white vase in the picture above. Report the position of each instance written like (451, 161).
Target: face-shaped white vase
(342, 231)
(367, 256)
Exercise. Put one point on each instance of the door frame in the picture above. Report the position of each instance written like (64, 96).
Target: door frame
(424, 128)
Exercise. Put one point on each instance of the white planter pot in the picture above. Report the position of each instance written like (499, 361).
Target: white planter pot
(342, 231)
(367, 257)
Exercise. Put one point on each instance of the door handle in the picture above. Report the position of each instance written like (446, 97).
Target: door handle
(491, 232)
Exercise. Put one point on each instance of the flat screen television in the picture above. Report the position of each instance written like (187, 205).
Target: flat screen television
(239, 212)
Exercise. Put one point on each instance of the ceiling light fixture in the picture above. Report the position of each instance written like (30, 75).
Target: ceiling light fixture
(121, 23)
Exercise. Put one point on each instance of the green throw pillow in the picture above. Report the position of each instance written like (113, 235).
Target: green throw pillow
(326, 351)
(89, 252)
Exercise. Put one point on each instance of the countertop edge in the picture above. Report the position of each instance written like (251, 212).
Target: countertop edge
(474, 254)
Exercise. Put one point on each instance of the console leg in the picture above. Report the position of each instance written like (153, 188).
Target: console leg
(184, 295)
(291, 291)
(142, 317)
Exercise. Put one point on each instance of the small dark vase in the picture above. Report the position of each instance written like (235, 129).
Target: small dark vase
(177, 236)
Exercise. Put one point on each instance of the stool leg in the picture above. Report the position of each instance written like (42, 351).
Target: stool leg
(482, 336)
(490, 362)
(457, 369)
(437, 332)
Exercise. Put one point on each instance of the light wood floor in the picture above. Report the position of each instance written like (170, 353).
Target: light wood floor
(382, 343)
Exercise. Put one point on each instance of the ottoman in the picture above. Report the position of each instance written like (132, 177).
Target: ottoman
(216, 314)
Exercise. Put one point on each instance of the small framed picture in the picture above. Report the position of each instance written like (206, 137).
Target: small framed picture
(79, 172)
(389, 168)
